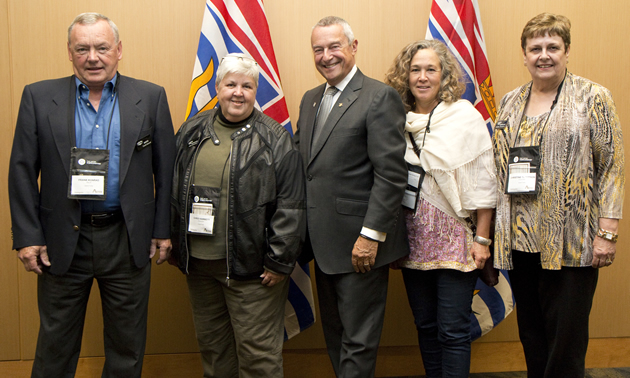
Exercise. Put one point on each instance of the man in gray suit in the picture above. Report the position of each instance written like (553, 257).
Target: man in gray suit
(355, 179)
(102, 145)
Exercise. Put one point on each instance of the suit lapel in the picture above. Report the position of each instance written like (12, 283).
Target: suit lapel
(345, 100)
(131, 121)
(61, 120)
(311, 116)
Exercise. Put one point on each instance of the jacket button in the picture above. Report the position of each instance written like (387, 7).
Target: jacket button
(309, 177)
(75, 227)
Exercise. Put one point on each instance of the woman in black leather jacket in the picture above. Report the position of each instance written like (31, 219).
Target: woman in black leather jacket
(238, 220)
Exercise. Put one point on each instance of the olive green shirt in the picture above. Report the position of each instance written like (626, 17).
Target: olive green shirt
(210, 169)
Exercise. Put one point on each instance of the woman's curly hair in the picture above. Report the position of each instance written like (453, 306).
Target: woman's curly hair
(452, 84)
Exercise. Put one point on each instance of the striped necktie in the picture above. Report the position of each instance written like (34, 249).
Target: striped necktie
(324, 110)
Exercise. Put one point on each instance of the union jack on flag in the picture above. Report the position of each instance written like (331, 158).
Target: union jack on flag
(240, 26)
(457, 23)
(236, 26)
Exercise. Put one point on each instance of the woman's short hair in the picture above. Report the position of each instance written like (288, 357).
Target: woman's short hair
(237, 63)
(92, 18)
(452, 84)
(547, 23)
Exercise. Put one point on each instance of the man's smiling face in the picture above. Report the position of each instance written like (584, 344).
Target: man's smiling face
(333, 53)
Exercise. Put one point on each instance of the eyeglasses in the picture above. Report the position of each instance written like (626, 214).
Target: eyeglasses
(241, 58)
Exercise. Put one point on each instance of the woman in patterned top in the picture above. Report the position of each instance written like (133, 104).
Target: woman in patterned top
(448, 139)
(559, 157)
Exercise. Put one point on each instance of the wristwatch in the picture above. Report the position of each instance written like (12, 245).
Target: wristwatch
(481, 240)
(607, 235)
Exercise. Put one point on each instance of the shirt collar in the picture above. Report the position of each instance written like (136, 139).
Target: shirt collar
(109, 87)
(342, 85)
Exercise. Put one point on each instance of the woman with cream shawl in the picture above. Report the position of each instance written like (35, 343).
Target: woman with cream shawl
(449, 214)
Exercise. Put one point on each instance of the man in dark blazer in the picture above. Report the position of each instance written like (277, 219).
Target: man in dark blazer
(68, 235)
(355, 180)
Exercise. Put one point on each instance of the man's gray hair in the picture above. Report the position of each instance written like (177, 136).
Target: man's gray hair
(92, 18)
(237, 63)
(334, 20)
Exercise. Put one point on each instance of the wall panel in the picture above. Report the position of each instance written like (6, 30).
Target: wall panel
(159, 44)
(598, 53)
(9, 310)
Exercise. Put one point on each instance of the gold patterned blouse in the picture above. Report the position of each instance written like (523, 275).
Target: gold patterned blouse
(582, 170)
(526, 209)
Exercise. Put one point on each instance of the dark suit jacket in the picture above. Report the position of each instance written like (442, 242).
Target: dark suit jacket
(355, 173)
(42, 214)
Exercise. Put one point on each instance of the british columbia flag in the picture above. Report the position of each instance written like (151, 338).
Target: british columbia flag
(240, 26)
(457, 23)
(236, 26)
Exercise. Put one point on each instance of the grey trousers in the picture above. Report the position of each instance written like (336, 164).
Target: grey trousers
(240, 327)
(352, 308)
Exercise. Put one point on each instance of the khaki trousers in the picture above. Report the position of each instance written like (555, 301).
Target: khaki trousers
(240, 327)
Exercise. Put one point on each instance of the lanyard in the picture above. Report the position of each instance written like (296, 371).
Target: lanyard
(415, 175)
(194, 166)
(205, 200)
(72, 110)
(427, 129)
(553, 105)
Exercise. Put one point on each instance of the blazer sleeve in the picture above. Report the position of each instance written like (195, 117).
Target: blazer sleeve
(608, 156)
(24, 168)
(385, 123)
(163, 160)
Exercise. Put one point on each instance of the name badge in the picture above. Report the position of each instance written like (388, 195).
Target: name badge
(205, 202)
(143, 143)
(201, 219)
(523, 171)
(522, 183)
(415, 177)
(87, 185)
(88, 174)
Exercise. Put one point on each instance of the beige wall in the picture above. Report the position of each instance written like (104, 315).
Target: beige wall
(159, 44)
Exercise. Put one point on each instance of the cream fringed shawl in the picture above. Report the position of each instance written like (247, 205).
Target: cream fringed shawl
(457, 154)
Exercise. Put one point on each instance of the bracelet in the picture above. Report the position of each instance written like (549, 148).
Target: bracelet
(481, 240)
(368, 238)
(607, 235)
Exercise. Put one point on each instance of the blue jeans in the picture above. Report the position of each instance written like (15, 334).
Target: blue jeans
(441, 302)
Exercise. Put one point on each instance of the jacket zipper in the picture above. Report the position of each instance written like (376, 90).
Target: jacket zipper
(227, 224)
(190, 179)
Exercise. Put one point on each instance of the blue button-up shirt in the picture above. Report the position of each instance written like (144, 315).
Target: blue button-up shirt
(100, 130)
